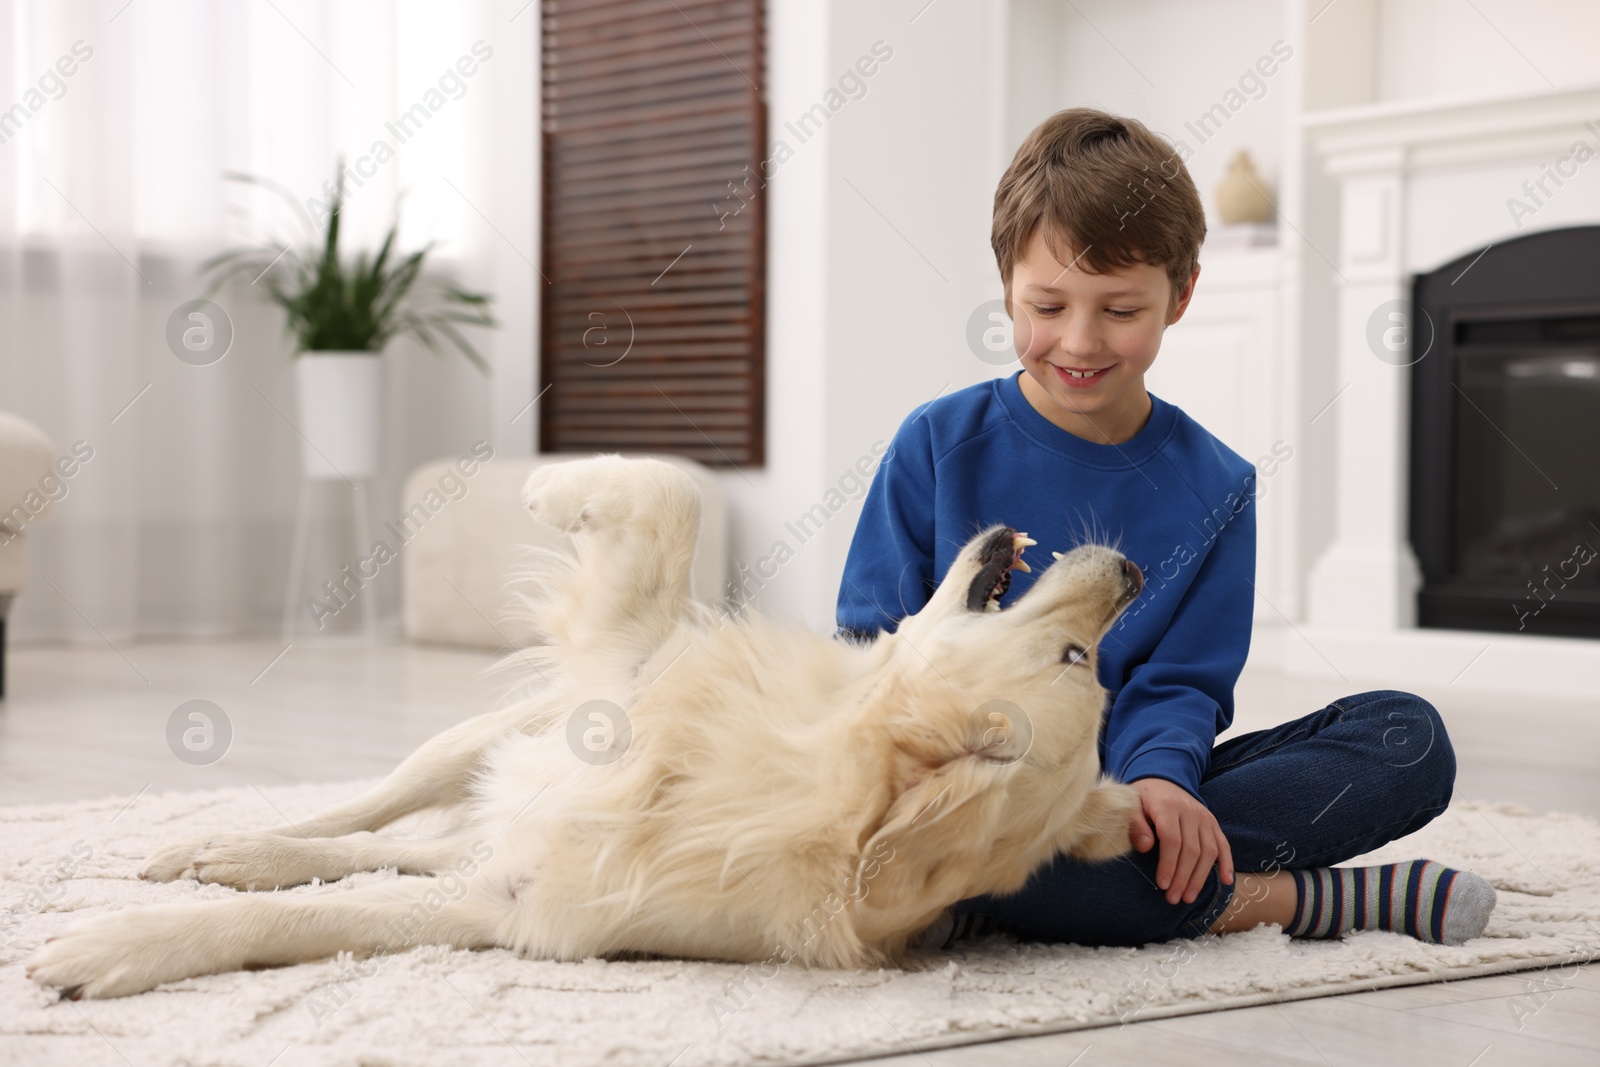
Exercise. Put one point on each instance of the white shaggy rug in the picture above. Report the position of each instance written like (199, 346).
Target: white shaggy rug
(435, 1005)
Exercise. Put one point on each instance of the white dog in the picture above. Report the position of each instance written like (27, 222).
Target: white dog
(685, 784)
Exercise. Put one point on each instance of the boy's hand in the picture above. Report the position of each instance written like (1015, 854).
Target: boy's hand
(1191, 839)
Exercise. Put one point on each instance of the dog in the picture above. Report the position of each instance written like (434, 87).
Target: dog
(679, 782)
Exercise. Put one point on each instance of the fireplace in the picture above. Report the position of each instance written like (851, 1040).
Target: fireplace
(1505, 437)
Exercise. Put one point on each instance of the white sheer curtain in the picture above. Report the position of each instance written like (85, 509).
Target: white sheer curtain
(111, 193)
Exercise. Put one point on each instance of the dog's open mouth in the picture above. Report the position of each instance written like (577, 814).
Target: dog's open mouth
(1000, 555)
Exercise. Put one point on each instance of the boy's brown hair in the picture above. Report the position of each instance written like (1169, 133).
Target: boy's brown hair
(1114, 191)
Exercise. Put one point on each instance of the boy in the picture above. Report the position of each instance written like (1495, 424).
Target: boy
(1097, 231)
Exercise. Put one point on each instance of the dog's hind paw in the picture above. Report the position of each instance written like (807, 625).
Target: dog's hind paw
(605, 491)
(571, 495)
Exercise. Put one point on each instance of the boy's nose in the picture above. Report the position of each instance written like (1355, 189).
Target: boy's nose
(1080, 338)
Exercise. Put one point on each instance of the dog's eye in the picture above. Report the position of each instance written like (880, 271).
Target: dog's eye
(1074, 654)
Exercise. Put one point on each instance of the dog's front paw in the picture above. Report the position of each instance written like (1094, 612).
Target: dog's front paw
(101, 957)
(171, 862)
(257, 861)
(1101, 830)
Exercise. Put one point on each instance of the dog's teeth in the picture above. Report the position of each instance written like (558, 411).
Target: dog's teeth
(1057, 555)
(1019, 542)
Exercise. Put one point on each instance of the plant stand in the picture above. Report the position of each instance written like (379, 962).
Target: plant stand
(339, 397)
(292, 602)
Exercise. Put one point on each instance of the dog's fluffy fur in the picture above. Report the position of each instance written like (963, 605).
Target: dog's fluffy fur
(776, 794)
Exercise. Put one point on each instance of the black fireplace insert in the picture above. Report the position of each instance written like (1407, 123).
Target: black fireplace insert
(1505, 437)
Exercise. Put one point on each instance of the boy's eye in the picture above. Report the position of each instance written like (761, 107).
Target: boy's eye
(1116, 313)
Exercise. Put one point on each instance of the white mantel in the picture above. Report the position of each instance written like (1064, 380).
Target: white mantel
(1419, 184)
(1457, 131)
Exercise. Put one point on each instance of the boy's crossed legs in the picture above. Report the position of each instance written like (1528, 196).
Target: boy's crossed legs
(1292, 801)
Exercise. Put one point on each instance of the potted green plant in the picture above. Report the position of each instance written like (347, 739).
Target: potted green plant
(341, 315)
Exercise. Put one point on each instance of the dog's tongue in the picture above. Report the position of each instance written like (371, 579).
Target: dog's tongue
(1020, 541)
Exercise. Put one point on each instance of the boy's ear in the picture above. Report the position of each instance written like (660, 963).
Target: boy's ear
(1182, 303)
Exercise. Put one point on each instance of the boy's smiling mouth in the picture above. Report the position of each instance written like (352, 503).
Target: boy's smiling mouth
(1080, 378)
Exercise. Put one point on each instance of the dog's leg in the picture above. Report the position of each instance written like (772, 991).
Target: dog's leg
(131, 951)
(634, 524)
(436, 775)
(272, 861)
(1101, 830)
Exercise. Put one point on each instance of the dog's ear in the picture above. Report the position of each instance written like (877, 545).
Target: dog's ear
(945, 759)
(928, 842)
(943, 801)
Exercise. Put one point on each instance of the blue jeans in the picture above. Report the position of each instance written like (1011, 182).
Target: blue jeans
(1339, 782)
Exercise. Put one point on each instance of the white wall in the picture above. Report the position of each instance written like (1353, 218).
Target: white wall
(797, 263)
(912, 179)
(1164, 63)
(877, 253)
(1406, 51)
(1448, 48)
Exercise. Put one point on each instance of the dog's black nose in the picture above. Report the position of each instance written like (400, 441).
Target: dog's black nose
(1133, 576)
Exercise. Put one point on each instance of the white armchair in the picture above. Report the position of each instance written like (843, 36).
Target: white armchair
(27, 480)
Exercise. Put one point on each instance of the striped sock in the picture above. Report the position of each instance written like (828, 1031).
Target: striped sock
(1427, 900)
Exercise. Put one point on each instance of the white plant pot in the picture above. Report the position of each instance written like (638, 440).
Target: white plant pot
(340, 398)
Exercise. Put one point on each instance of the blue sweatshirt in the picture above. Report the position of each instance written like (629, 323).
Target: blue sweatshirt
(1173, 499)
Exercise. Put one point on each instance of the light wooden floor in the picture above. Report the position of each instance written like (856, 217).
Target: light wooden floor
(83, 722)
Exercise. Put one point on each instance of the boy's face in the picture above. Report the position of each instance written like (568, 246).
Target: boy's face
(1066, 319)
